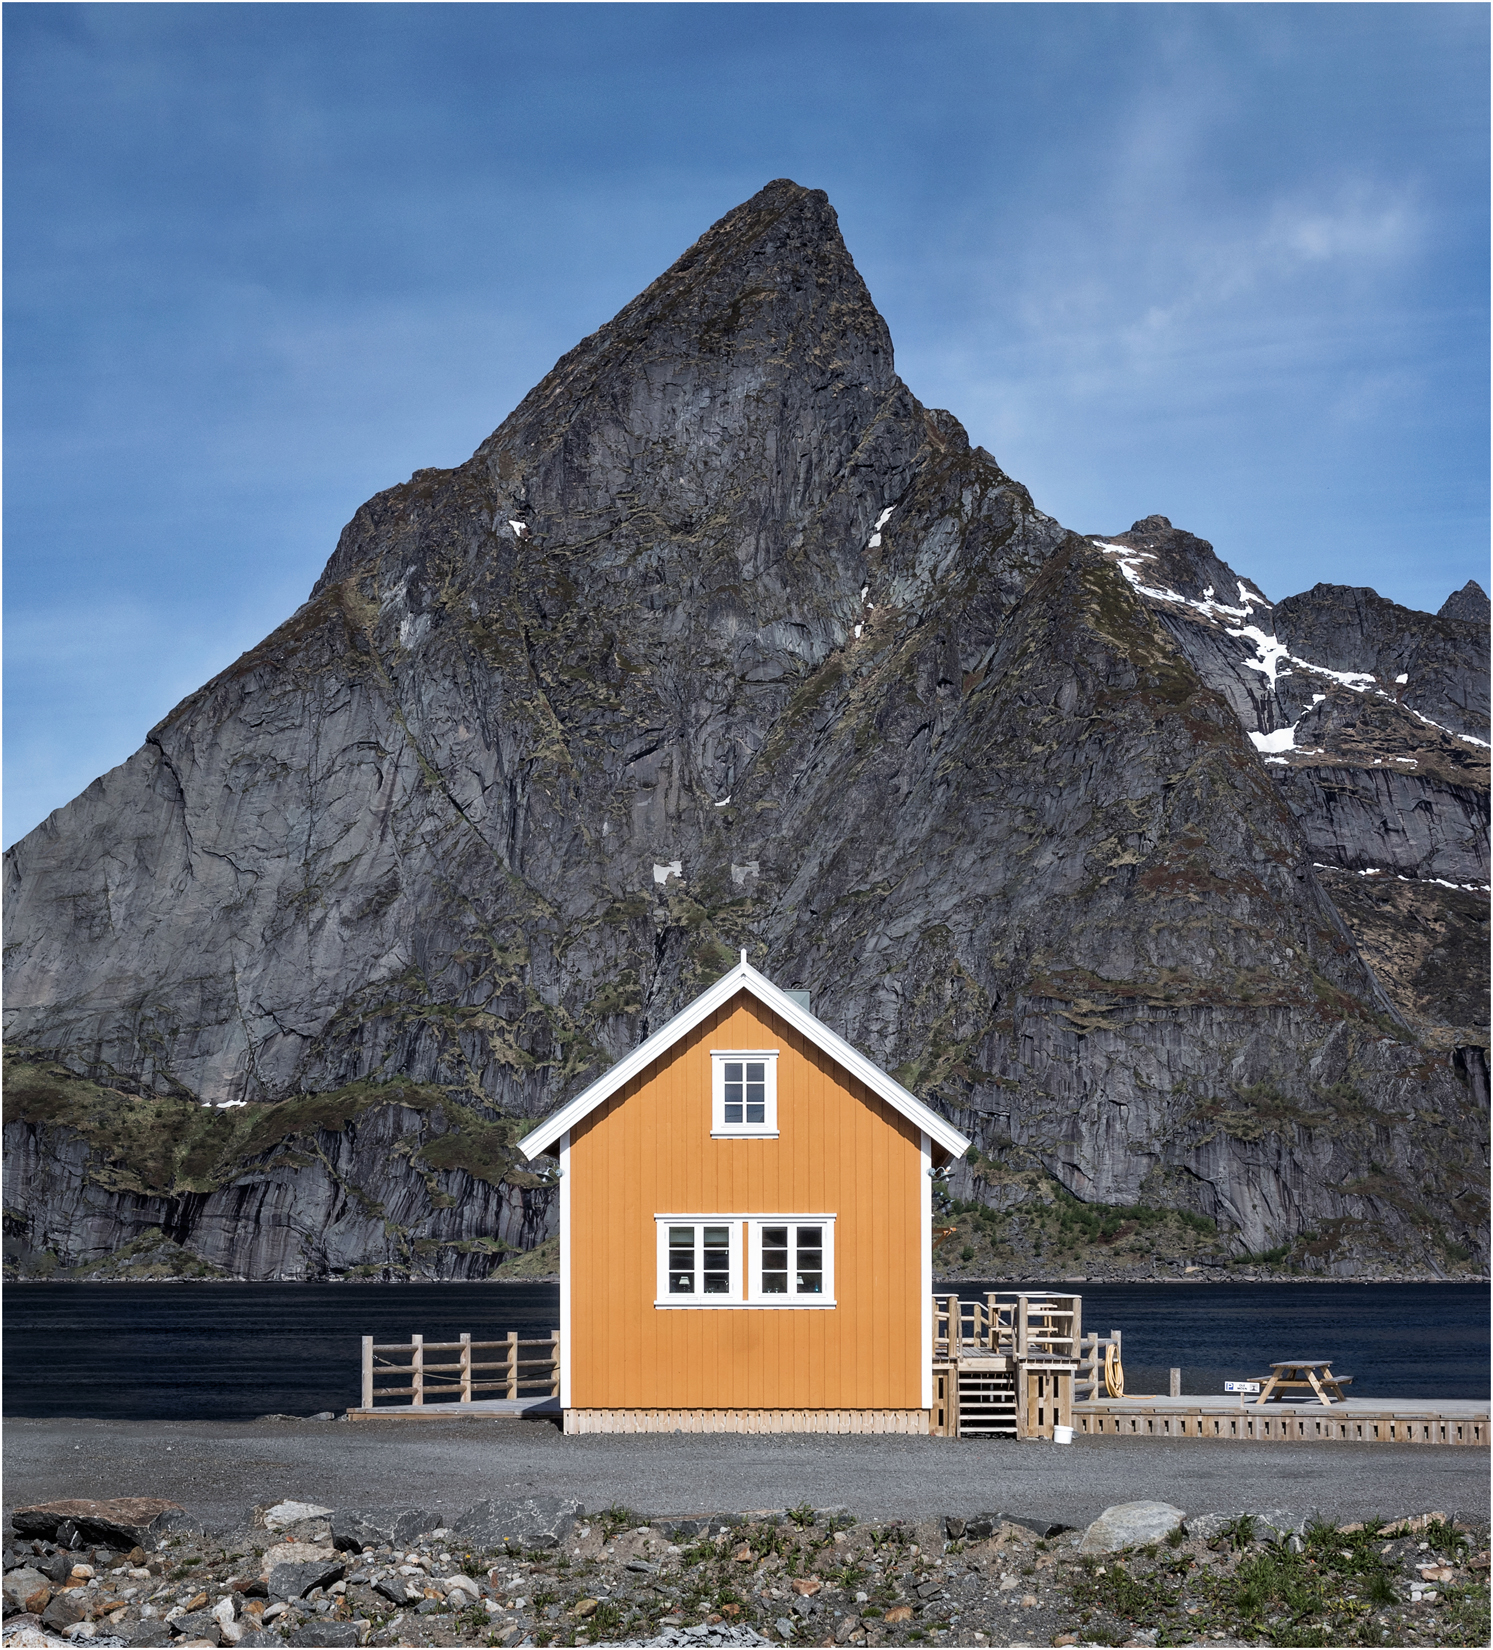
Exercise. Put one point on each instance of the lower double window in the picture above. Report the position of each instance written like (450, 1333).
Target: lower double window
(745, 1260)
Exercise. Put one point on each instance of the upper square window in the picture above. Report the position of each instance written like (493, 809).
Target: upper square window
(744, 1098)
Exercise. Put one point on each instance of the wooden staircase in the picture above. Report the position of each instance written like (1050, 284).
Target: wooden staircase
(1003, 1367)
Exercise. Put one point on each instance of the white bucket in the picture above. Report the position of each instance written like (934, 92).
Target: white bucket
(1062, 1435)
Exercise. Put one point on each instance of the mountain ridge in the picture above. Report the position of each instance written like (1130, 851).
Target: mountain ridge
(723, 639)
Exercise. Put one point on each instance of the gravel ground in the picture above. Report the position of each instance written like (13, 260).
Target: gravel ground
(218, 1470)
(797, 1578)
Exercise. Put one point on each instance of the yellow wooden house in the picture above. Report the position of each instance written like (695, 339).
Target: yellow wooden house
(746, 1228)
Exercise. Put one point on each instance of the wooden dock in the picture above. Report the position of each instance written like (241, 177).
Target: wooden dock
(1352, 1421)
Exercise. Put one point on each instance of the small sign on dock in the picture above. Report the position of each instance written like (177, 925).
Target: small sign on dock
(1241, 1386)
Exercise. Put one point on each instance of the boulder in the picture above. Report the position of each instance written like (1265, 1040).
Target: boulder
(27, 1589)
(535, 1521)
(1131, 1524)
(289, 1512)
(360, 1527)
(130, 1521)
(296, 1580)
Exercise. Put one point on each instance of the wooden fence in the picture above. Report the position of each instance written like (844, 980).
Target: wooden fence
(509, 1368)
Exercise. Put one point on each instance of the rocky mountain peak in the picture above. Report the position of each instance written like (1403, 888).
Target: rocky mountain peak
(1163, 558)
(1469, 604)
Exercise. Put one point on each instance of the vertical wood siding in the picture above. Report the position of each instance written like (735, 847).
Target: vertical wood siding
(840, 1150)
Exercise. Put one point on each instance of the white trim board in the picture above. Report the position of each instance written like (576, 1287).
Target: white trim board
(745, 978)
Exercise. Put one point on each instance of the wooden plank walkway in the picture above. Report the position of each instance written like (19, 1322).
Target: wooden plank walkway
(1354, 1420)
(489, 1409)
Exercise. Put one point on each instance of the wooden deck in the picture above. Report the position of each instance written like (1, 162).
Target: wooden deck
(1353, 1421)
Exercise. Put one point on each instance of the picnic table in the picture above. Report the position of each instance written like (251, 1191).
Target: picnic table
(1315, 1373)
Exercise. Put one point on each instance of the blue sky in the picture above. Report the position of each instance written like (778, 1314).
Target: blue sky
(1224, 263)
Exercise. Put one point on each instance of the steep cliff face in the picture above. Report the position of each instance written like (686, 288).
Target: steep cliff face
(374, 1181)
(721, 640)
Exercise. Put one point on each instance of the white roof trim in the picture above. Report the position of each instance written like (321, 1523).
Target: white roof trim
(745, 977)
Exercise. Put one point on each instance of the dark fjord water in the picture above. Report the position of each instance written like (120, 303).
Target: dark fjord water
(231, 1351)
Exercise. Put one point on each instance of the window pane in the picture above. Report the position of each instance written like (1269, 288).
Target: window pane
(809, 1263)
(681, 1260)
(717, 1261)
(733, 1071)
(774, 1260)
(756, 1114)
(732, 1113)
(755, 1071)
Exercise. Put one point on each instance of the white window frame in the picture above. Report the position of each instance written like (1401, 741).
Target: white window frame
(745, 1291)
(696, 1302)
(720, 1129)
(755, 1225)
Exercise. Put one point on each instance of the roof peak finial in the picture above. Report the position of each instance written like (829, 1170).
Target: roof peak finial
(743, 957)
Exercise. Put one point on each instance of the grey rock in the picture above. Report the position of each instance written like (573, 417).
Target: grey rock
(296, 1580)
(1131, 1524)
(261, 1639)
(397, 1591)
(197, 1624)
(65, 1609)
(535, 1521)
(354, 1529)
(151, 1635)
(323, 1635)
(996, 808)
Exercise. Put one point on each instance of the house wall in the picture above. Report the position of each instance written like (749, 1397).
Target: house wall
(841, 1150)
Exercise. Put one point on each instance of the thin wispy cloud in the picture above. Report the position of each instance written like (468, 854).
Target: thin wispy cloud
(1224, 262)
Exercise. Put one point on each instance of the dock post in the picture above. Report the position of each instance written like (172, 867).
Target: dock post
(466, 1368)
(512, 1363)
(554, 1363)
(417, 1369)
(368, 1372)
(1077, 1323)
(1176, 1384)
(1021, 1323)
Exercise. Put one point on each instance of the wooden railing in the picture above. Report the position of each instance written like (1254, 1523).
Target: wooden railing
(509, 1368)
(1093, 1353)
(1012, 1323)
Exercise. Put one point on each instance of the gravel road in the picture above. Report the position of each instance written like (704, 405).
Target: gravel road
(219, 1469)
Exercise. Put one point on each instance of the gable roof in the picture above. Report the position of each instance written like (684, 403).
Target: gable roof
(745, 978)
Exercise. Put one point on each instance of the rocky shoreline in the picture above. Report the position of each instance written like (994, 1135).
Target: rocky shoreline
(541, 1571)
